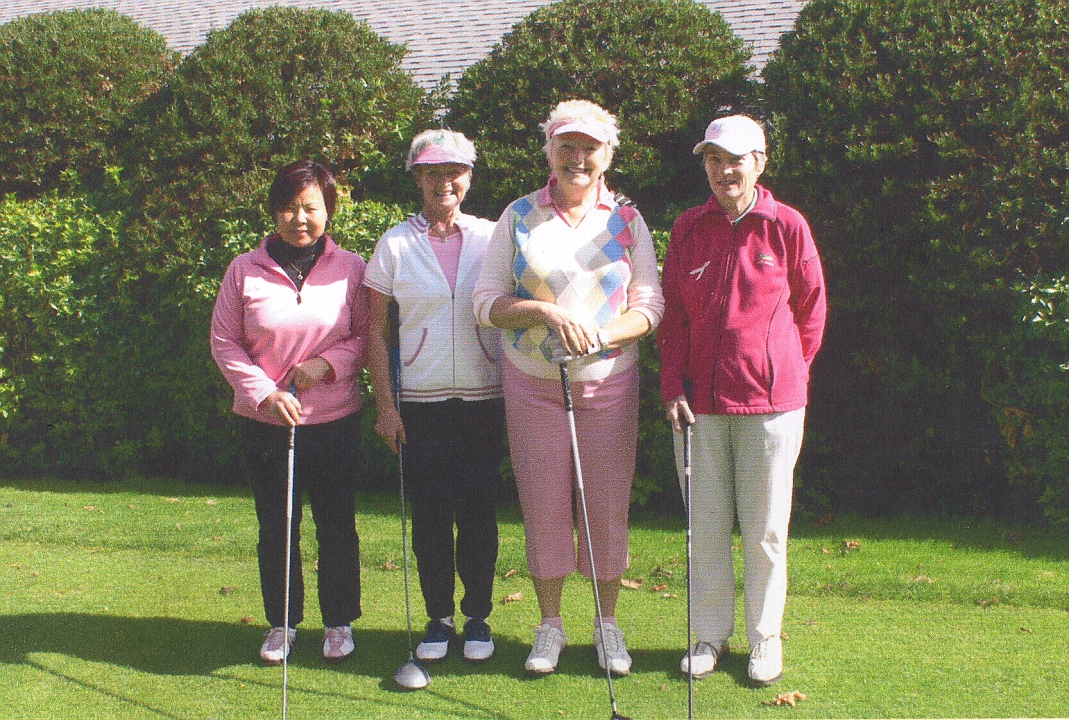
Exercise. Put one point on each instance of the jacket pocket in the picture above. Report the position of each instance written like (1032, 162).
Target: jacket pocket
(419, 347)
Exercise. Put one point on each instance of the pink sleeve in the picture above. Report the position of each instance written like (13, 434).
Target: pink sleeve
(644, 290)
(496, 278)
(228, 340)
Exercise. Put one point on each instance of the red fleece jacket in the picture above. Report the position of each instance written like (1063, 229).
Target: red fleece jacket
(744, 309)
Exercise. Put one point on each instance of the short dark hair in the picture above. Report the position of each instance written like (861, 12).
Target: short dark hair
(294, 178)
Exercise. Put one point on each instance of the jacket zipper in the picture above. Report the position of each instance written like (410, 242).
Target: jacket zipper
(724, 297)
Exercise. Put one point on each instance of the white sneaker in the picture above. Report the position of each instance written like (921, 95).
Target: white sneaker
(338, 643)
(706, 656)
(275, 648)
(548, 644)
(766, 662)
(619, 659)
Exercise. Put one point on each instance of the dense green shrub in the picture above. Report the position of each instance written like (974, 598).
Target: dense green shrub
(927, 143)
(69, 82)
(664, 67)
(59, 398)
(277, 85)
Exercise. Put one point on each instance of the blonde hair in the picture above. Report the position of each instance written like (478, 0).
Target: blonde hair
(583, 110)
(449, 139)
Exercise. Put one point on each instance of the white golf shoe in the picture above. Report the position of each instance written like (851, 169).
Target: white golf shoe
(338, 643)
(706, 656)
(549, 643)
(276, 647)
(766, 662)
(615, 649)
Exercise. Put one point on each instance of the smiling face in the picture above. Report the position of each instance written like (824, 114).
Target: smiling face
(578, 160)
(732, 177)
(303, 219)
(443, 185)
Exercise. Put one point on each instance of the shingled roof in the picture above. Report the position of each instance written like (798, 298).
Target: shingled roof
(441, 37)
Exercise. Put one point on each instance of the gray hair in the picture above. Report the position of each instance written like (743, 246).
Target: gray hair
(450, 141)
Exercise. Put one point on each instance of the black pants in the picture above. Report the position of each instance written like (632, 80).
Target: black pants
(324, 459)
(452, 462)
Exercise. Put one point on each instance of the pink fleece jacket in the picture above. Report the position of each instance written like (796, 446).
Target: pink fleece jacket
(744, 309)
(262, 327)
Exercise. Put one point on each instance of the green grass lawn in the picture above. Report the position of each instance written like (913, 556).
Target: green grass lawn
(141, 599)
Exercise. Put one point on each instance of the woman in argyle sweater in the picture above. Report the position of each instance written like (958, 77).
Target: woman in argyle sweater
(570, 272)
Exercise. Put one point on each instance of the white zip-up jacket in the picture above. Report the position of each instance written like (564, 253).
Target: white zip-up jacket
(445, 353)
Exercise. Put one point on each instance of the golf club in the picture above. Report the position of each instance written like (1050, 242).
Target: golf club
(286, 574)
(412, 675)
(566, 386)
(690, 626)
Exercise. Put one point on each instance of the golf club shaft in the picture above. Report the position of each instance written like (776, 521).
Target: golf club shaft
(569, 409)
(690, 604)
(394, 321)
(286, 574)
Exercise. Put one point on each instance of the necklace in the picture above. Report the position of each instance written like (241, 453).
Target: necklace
(304, 267)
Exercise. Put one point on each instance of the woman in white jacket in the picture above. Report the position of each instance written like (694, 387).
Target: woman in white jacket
(452, 412)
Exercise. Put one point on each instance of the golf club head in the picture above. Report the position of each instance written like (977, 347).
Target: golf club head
(618, 716)
(412, 676)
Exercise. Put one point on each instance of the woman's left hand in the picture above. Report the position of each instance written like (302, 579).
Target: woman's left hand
(306, 374)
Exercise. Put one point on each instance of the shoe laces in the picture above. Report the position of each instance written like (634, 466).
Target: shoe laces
(336, 637)
(704, 648)
(612, 640)
(476, 630)
(276, 637)
(438, 632)
(760, 651)
(545, 639)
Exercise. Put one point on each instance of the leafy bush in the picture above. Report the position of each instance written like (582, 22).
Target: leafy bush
(277, 85)
(58, 395)
(69, 82)
(929, 150)
(664, 67)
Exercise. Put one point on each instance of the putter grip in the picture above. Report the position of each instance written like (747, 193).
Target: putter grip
(566, 385)
(393, 320)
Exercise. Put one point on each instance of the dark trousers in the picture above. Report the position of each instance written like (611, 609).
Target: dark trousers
(451, 464)
(324, 458)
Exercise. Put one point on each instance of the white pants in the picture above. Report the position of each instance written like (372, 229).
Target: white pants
(741, 464)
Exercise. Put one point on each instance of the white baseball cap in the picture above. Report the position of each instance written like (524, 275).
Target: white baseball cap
(737, 134)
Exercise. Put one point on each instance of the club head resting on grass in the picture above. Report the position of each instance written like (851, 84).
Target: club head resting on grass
(412, 676)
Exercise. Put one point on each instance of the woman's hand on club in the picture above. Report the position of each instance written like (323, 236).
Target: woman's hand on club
(306, 374)
(679, 413)
(577, 337)
(389, 427)
(285, 406)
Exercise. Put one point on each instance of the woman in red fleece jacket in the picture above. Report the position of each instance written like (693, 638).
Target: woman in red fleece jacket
(289, 332)
(744, 316)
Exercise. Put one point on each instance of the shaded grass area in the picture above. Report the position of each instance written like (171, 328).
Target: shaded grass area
(141, 600)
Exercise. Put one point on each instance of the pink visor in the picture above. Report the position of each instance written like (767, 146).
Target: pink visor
(439, 154)
(596, 130)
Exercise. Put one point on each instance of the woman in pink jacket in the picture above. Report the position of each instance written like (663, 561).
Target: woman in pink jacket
(744, 315)
(289, 332)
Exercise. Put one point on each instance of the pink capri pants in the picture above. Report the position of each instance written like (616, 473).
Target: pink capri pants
(606, 420)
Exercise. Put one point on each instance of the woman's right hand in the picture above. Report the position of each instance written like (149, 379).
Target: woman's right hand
(679, 413)
(389, 427)
(578, 337)
(285, 407)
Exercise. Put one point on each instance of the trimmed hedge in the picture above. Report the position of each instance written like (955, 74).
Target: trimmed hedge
(663, 67)
(927, 143)
(70, 81)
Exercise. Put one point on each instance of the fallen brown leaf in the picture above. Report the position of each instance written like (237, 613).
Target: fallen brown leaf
(1027, 630)
(849, 545)
(629, 583)
(90, 508)
(662, 572)
(389, 565)
(210, 501)
(922, 579)
(511, 572)
(246, 619)
(225, 590)
(791, 698)
(669, 595)
(825, 550)
(658, 588)
(514, 597)
(989, 602)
